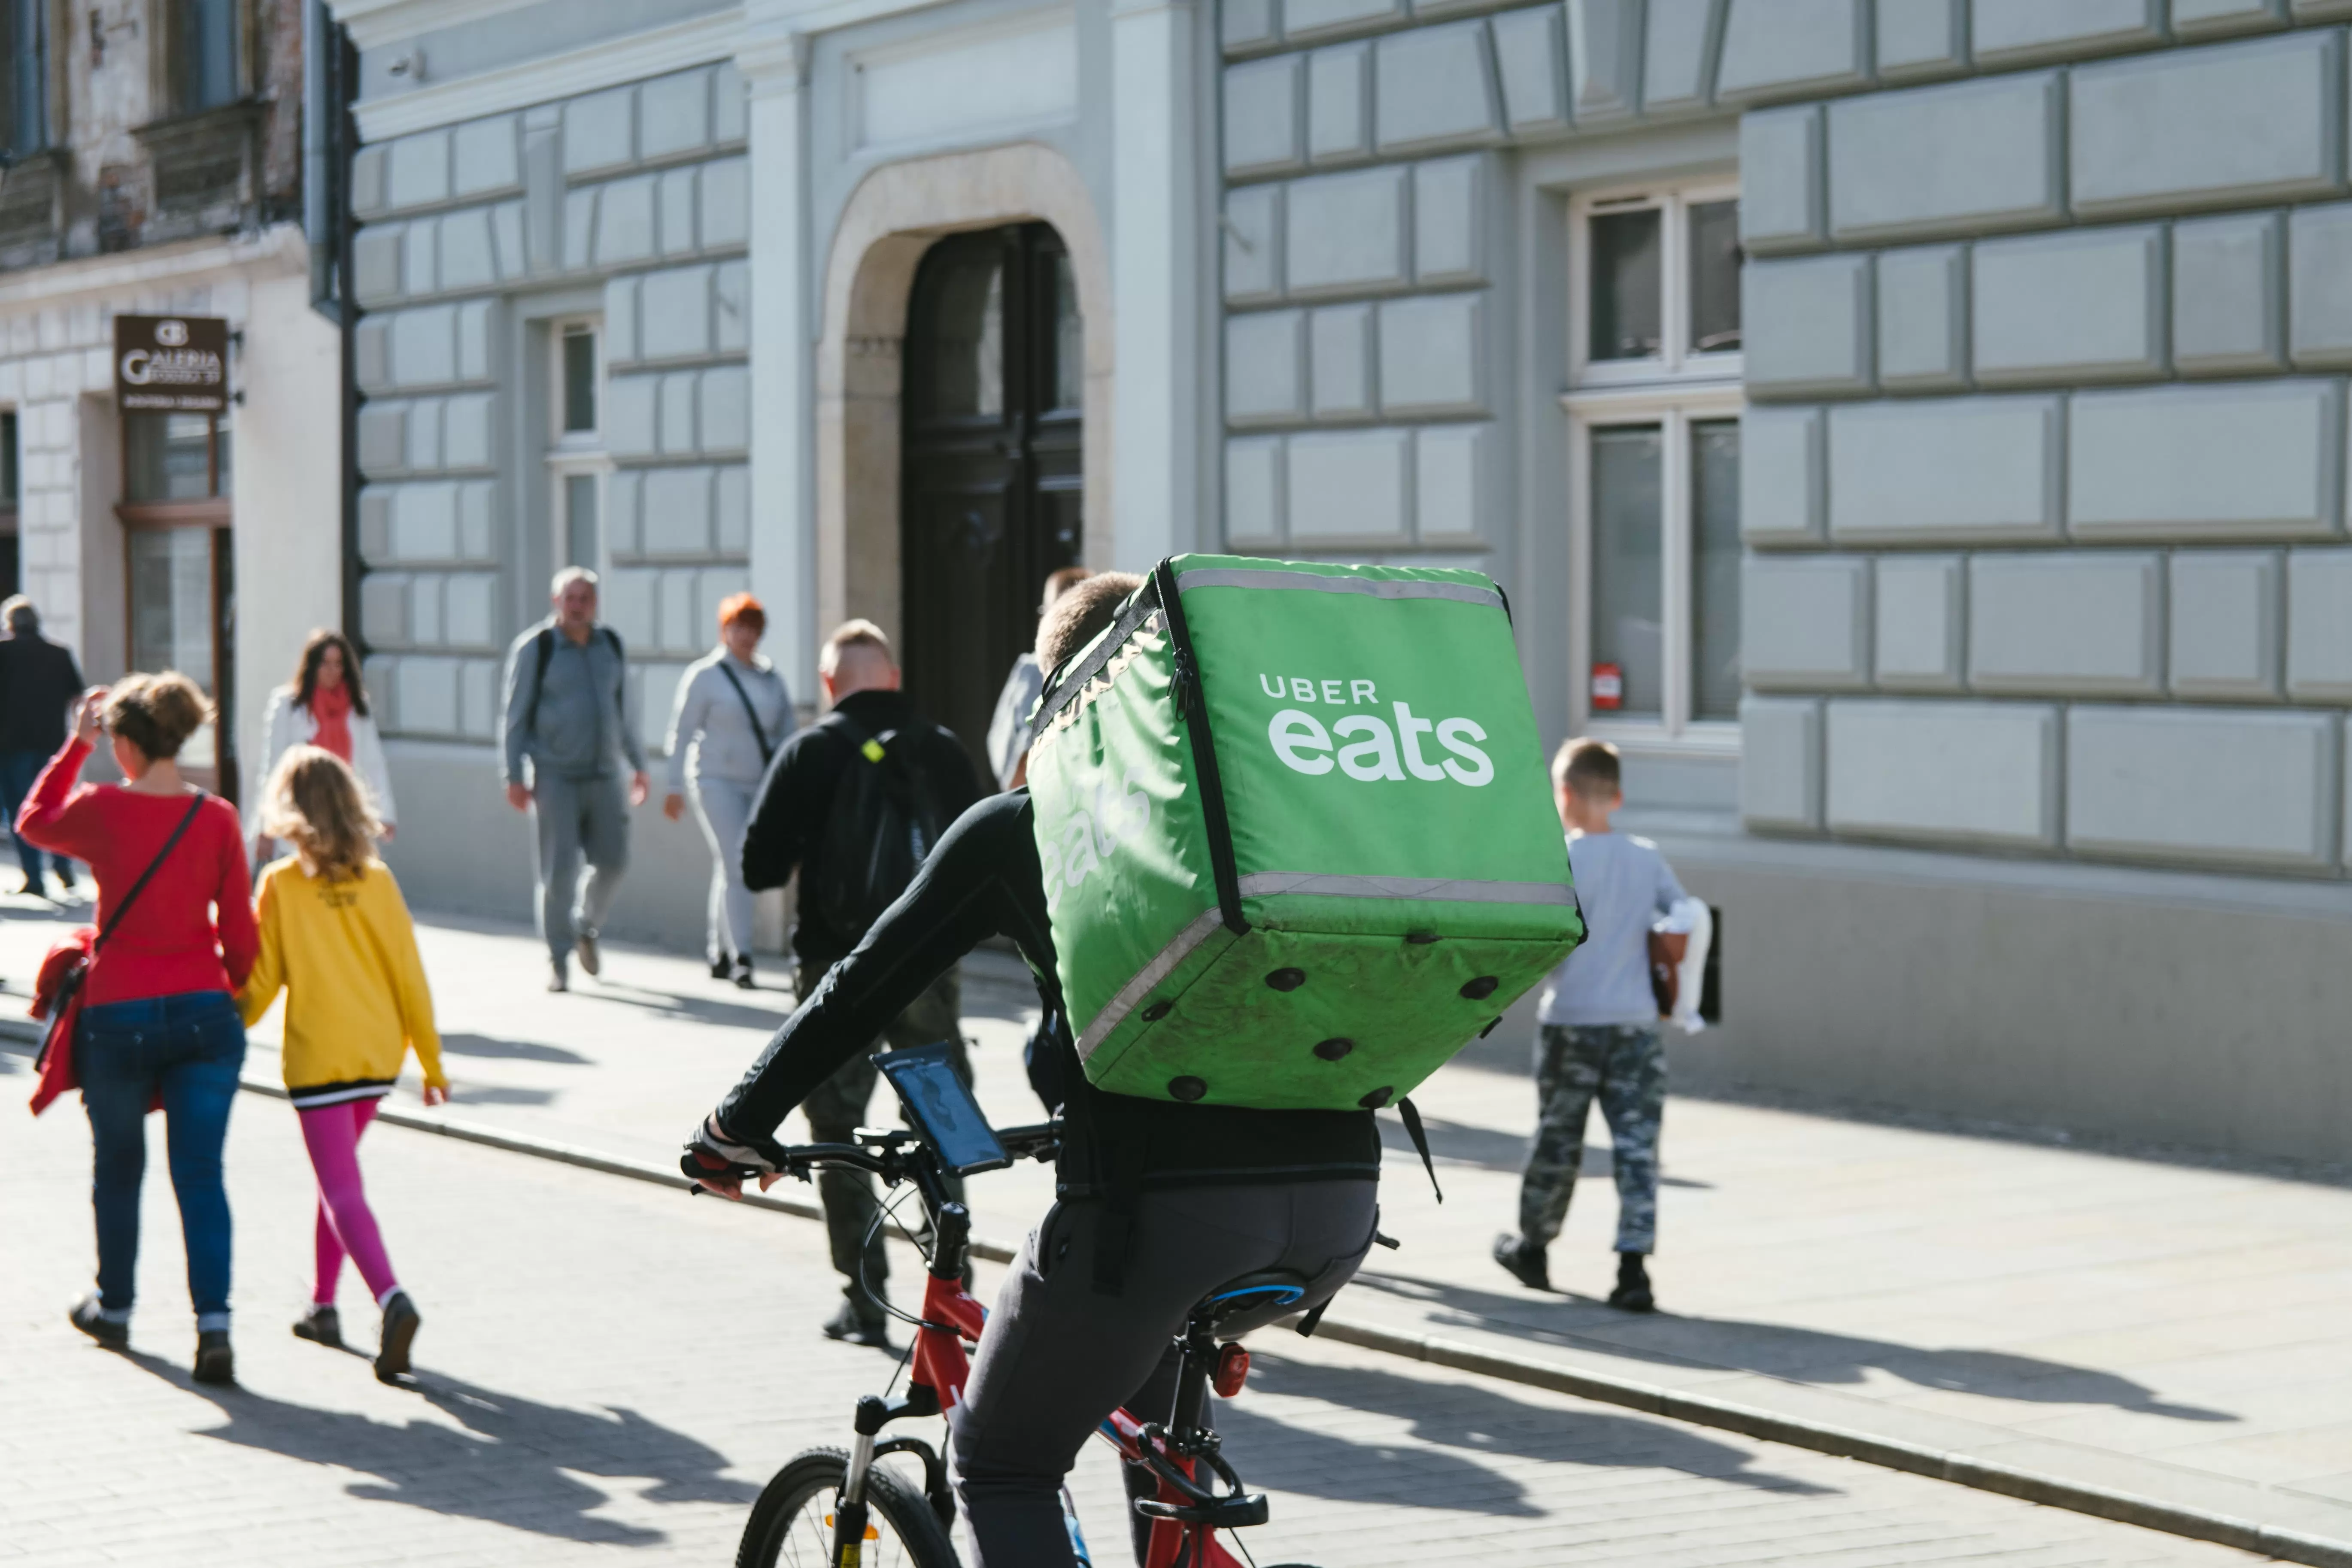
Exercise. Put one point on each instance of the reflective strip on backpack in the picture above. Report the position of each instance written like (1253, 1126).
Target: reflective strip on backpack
(1436, 890)
(1115, 1011)
(1378, 587)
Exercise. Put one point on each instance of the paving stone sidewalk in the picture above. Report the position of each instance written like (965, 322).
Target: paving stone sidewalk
(2160, 1329)
(609, 1371)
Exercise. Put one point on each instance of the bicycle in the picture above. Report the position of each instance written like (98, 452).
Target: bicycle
(842, 1509)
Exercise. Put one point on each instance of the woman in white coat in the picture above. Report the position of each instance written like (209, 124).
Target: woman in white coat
(324, 705)
(732, 713)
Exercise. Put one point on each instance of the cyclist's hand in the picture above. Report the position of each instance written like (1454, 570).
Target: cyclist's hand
(716, 1162)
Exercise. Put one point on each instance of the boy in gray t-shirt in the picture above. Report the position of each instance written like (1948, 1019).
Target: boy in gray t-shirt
(1600, 1033)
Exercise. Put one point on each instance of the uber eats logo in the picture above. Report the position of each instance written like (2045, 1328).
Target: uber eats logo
(1364, 745)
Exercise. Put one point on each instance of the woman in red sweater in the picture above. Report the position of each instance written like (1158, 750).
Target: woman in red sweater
(159, 1015)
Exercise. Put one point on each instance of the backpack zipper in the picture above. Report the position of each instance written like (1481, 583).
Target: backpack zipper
(1193, 707)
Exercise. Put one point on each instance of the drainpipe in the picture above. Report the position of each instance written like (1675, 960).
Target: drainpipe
(330, 139)
(321, 112)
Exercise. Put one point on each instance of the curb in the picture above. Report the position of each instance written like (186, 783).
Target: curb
(1695, 1409)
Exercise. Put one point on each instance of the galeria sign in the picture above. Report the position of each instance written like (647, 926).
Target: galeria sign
(170, 364)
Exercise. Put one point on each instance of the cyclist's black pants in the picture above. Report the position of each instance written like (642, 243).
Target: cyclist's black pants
(1058, 1355)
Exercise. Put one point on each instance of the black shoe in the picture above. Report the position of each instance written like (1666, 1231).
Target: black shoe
(86, 1316)
(29, 888)
(401, 1321)
(592, 962)
(1632, 1293)
(65, 879)
(721, 967)
(1523, 1263)
(849, 1327)
(743, 976)
(322, 1325)
(215, 1362)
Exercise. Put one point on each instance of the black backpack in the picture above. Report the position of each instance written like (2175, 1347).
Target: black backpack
(885, 818)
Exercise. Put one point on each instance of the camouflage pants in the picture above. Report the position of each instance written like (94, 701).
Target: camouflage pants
(837, 1107)
(1623, 1065)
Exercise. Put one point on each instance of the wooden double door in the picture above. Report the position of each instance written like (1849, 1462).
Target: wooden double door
(991, 488)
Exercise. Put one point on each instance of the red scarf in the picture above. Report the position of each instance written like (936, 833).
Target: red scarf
(330, 711)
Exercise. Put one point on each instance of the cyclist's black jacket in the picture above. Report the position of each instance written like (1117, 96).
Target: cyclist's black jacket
(984, 881)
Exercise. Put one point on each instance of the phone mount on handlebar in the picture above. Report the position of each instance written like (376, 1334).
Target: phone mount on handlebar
(942, 1109)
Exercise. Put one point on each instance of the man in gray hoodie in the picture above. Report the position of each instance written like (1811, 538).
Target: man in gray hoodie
(567, 712)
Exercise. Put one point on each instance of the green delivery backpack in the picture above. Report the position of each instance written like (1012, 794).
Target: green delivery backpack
(1297, 832)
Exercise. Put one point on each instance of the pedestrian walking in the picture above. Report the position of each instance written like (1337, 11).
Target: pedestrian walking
(568, 724)
(38, 682)
(325, 705)
(158, 1021)
(1008, 729)
(855, 802)
(335, 936)
(733, 711)
(1598, 1038)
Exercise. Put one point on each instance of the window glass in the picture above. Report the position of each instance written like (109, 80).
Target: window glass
(1628, 581)
(1715, 259)
(1626, 285)
(579, 540)
(1715, 570)
(208, 73)
(171, 613)
(24, 76)
(1069, 339)
(578, 380)
(967, 369)
(167, 456)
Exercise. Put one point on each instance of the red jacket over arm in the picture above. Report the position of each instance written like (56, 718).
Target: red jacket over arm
(172, 941)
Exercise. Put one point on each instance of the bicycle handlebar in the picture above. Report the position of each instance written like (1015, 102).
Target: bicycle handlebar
(894, 1152)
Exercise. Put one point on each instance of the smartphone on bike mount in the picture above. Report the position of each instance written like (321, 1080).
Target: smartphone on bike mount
(943, 1111)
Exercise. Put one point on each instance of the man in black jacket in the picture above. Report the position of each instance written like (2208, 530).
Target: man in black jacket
(38, 682)
(795, 825)
(1158, 1203)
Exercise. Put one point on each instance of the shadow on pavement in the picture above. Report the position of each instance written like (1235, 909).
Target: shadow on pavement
(1493, 1150)
(1797, 1355)
(702, 1009)
(1467, 1418)
(514, 1463)
(495, 1094)
(513, 1050)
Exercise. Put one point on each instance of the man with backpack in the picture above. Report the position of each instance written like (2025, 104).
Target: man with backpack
(855, 802)
(568, 715)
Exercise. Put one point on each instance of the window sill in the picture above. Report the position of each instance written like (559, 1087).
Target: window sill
(1697, 395)
(1646, 738)
(209, 513)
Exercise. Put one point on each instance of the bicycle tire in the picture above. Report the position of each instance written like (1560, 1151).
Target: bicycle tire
(794, 1506)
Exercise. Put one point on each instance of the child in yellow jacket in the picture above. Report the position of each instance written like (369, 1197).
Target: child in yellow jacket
(336, 937)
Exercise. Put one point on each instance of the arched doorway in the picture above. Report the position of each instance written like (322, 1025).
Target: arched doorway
(991, 481)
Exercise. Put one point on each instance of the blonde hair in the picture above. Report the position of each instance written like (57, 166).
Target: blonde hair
(315, 804)
(850, 635)
(157, 713)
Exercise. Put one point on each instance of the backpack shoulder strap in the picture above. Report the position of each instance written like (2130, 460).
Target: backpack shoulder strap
(139, 886)
(542, 650)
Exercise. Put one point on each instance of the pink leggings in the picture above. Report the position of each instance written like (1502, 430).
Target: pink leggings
(346, 1224)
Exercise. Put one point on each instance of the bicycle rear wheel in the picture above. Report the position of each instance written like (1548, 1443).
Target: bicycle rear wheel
(792, 1524)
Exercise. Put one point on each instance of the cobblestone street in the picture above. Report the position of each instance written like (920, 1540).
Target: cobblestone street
(609, 1371)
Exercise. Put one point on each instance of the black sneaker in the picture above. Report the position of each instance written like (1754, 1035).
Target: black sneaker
(1523, 1263)
(1632, 1293)
(215, 1362)
(401, 1321)
(322, 1325)
(849, 1327)
(721, 967)
(86, 1316)
(743, 976)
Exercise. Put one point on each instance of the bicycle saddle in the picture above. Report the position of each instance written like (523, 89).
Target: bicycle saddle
(1262, 1296)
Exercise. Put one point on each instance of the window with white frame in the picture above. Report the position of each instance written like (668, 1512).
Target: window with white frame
(576, 459)
(1653, 416)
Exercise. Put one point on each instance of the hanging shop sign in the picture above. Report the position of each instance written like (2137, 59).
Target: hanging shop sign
(170, 364)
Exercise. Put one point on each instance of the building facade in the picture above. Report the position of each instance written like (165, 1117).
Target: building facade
(1912, 429)
(155, 168)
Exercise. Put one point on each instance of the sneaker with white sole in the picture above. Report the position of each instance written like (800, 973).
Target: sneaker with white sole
(401, 1321)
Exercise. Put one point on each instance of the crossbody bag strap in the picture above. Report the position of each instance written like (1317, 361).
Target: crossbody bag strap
(758, 730)
(153, 866)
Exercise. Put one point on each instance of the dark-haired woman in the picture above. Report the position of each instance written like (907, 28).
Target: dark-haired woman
(159, 1019)
(326, 705)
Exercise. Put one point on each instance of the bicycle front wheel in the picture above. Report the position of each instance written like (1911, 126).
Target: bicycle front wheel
(792, 1524)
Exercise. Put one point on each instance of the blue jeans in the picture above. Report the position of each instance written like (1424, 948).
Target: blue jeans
(188, 1048)
(18, 770)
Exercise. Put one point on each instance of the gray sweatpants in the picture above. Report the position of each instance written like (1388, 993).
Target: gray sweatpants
(724, 809)
(1057, 1357)
(578, 819)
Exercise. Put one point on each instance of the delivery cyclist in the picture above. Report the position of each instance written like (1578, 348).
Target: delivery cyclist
(1158, 1203)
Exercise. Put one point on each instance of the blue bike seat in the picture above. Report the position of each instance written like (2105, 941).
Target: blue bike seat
(1262, 1297)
